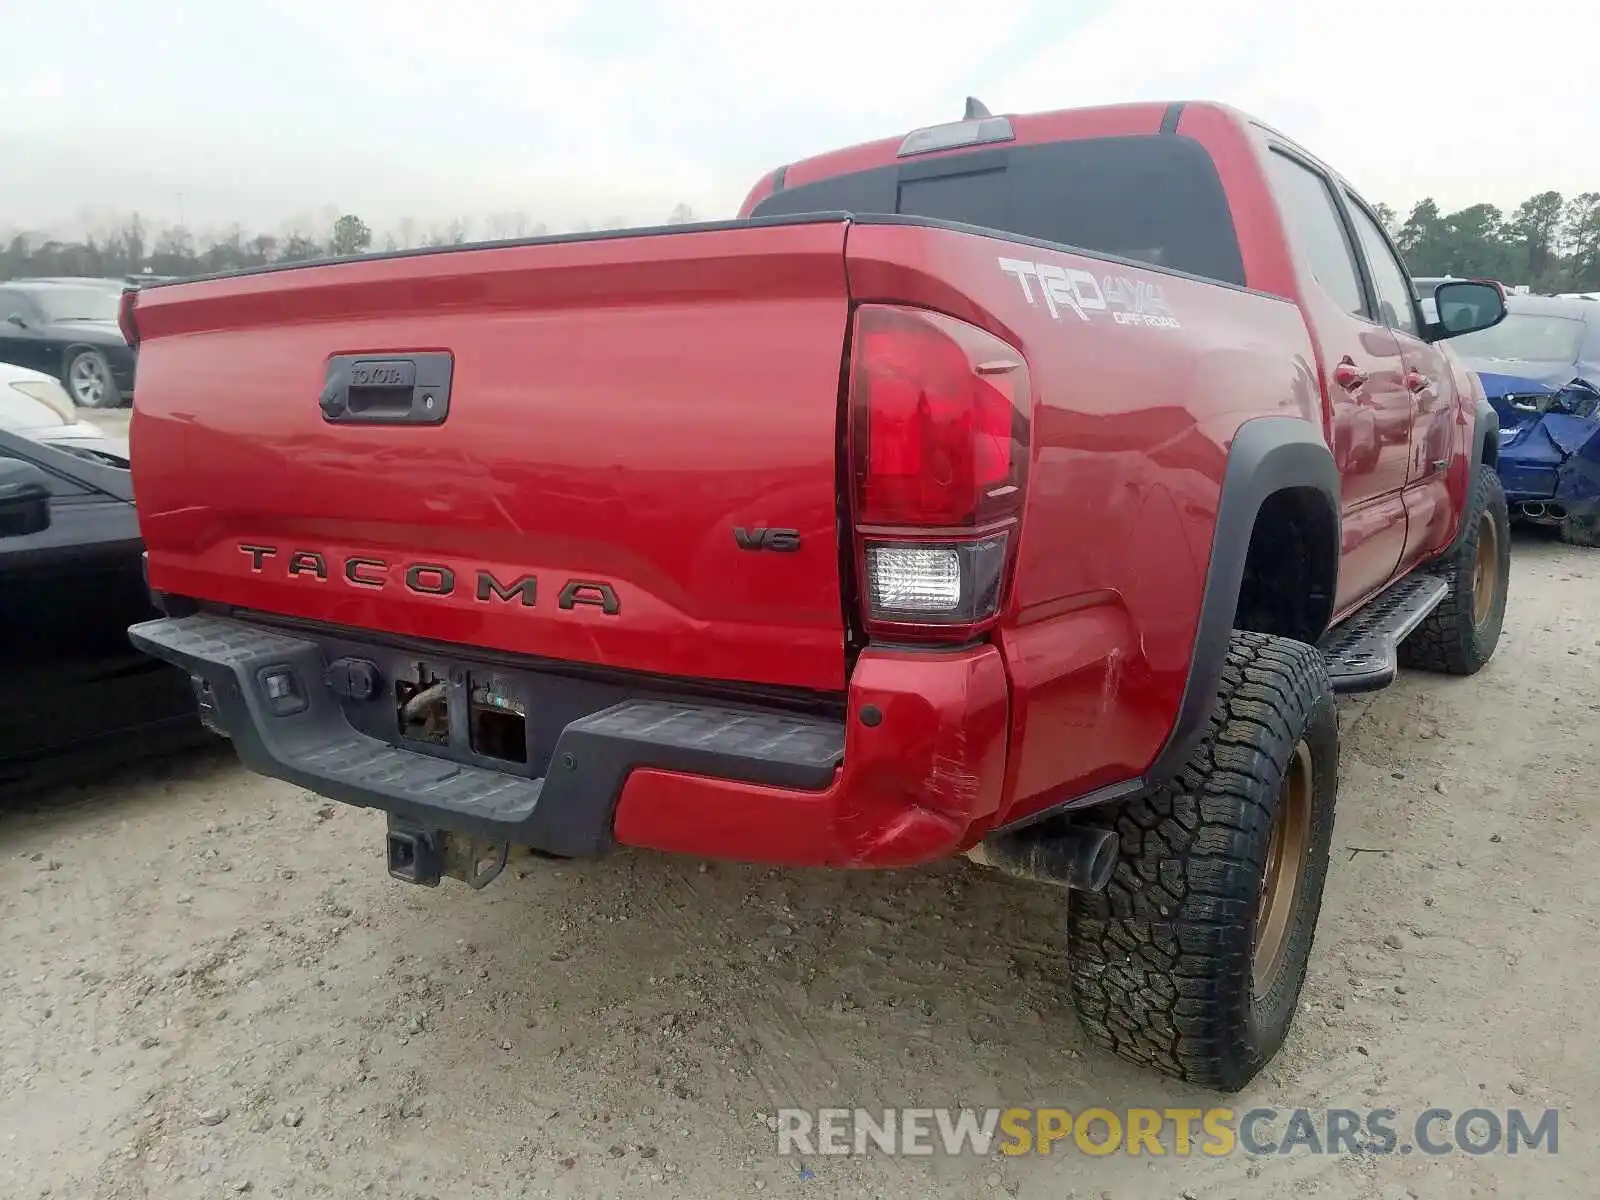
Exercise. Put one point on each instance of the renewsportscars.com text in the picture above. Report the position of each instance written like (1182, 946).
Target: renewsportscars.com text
(1180, 1132)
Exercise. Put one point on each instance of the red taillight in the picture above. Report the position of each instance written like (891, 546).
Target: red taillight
(940, 411)
(939, 422)
(125, 318)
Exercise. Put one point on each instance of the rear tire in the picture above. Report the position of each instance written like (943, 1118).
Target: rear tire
(87, 377)
(1192, 959)
(1460, 636)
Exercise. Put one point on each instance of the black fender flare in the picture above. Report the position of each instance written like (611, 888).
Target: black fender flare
(1268, 455)
(1486, 434)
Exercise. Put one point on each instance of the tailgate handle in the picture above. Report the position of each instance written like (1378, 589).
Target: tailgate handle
(387, 389)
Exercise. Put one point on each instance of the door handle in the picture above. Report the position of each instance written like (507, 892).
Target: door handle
(1416, 381)
(1349, 376)
(372, 389)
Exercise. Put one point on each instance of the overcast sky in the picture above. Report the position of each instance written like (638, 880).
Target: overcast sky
(265, 111)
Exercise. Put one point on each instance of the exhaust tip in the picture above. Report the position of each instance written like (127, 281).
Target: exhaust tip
(1080, 858)
(1101, 863)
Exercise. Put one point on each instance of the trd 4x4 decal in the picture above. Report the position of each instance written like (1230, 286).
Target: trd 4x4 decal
(1129, 301)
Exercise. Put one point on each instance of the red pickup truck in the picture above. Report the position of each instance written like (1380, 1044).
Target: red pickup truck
(1022, 488)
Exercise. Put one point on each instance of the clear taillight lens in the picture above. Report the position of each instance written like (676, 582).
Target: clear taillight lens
(956, 582)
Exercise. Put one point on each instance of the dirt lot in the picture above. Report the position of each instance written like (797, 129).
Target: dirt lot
(113, 420)
(211, 986)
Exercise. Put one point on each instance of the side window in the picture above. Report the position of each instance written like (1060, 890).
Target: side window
(1388, 278)
(13, 303)
(1315, 225)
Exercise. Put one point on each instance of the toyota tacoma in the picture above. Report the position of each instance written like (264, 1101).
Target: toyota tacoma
(1023, 487)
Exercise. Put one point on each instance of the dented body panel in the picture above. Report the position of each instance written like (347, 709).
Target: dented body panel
(618, 408)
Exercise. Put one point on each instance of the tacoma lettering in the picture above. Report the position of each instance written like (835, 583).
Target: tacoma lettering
(491, 588)
(308, 562)
(353, 568)
(438, 579)
(258, 555)
(587, 591)
(430, 579)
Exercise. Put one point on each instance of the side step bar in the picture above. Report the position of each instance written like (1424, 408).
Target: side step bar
(1362, 651)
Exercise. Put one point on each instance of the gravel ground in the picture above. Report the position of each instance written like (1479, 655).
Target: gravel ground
(211, 987)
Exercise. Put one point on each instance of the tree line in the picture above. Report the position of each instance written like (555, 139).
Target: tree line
(1549, 242)
(133, 247)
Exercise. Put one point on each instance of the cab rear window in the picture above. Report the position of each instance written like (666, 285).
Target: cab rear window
(1153, 199)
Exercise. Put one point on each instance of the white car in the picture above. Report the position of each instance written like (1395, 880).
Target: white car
(36, 406)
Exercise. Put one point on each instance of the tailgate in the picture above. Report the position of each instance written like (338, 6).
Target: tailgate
(632, 427)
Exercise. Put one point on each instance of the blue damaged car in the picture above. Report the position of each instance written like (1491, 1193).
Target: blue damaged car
(1540, 368)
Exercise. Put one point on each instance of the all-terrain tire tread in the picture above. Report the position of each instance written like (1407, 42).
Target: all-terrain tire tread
(1161, 959)
(1448, 641)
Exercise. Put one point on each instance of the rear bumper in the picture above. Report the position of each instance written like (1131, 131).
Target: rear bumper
(916, 761)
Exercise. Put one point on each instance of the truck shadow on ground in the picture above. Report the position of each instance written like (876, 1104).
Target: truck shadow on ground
(75, 787)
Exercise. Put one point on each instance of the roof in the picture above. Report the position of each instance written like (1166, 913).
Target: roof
(1123, 119)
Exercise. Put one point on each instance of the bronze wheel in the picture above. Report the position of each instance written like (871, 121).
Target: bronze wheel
(1193, 958)
(1485, 570)
(1280, 882)
(1460, 635)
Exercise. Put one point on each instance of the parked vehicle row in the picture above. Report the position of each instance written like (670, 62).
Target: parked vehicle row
(71, 582)
(67, 328)
(970, 494)
(1540, 369)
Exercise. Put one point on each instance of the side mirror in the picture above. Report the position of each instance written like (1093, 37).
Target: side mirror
(24, 498)
(1466, 306)
(18, 320)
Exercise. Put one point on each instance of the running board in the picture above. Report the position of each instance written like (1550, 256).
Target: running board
(1362, 650)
